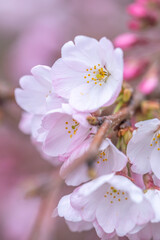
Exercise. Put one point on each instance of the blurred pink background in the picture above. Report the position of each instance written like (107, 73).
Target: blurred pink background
(32, 33)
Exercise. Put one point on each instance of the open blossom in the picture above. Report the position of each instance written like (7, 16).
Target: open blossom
(65, 130)
(89, 74)
(36, 92)
(143, 149)
(109, 160)
(114, 202)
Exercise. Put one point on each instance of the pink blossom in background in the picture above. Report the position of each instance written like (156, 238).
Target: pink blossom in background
(134, 68)
(128, 40)
(137, 10)
(150, 81)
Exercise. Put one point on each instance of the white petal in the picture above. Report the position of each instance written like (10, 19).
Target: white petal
(155, 161)
(67, 211)
(139, 150)
(79, 226)
(153, 196)
(65, 78)
(86, 97)
(116, 160)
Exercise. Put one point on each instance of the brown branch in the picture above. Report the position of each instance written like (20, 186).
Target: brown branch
(108, 123)
(6, 94)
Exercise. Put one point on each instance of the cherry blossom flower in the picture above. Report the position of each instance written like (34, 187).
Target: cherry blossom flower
(143, 149)
(114, 202)
(65, 130)
(89, 74)
(109, 160)
(37, 91)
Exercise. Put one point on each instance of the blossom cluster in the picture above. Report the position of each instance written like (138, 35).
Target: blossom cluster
(57, 101)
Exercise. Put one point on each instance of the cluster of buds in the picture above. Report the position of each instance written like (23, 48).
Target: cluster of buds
(145, 14)
(138, 62)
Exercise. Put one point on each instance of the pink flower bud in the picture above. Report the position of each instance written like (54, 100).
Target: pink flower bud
(137, 10)
(150, 81)
(133, 68)
(135, 25)
(127, 40)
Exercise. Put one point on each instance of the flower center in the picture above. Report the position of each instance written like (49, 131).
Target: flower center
(97, 74)
(113, 195)
(102, 156)
(71, 127)
(156, 140)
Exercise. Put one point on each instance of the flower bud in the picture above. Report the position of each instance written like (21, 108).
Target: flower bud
(150, 80)
(127, 95)
(137, 10)
(128, 40)
(133, 68)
